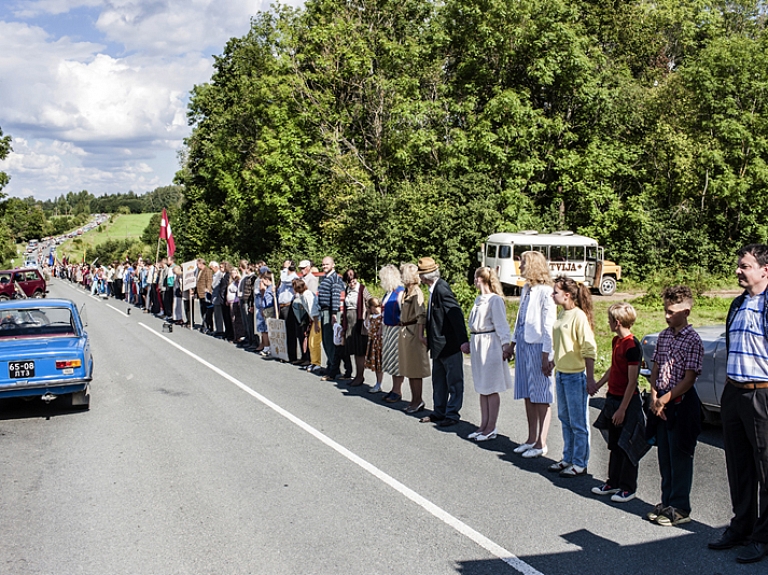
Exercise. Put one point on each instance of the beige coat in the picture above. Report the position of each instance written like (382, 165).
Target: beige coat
(414, 361)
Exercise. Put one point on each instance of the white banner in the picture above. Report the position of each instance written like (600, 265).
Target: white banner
(188, 279)
(277, 339)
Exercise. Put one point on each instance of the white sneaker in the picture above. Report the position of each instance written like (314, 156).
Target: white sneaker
(535, 452)
(265, 352)
(375, 389)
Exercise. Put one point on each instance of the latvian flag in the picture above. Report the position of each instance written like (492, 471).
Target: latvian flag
(165, 233)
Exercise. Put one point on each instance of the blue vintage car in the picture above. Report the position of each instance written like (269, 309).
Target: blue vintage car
(44, 351)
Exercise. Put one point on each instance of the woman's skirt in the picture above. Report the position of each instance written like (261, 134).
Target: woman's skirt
(530, 381)
(390, 362)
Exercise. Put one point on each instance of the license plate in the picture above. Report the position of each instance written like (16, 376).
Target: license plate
(21, 369)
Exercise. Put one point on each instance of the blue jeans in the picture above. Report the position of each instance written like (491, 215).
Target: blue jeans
(572, 405)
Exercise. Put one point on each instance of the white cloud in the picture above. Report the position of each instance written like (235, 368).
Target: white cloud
(106, 112)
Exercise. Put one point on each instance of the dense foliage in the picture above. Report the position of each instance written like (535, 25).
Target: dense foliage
(381, 130)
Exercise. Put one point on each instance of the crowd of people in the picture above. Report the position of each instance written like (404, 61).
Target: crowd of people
(553, 344)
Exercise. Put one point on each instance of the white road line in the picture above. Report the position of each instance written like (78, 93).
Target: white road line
(480, 539)
(117, 310)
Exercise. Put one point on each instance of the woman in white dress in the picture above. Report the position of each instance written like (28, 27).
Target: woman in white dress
(489, 349)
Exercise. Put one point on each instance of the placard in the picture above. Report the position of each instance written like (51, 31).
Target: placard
(277, 338)
(188, 278)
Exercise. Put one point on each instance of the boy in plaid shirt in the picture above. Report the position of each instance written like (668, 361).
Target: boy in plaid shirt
(675, 421)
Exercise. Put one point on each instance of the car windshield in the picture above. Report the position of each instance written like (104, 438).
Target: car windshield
(43, 322)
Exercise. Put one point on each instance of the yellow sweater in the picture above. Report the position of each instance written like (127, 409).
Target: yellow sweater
(573, 341)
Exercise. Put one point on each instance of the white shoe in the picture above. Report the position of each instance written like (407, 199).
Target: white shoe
(523, 448)
(265, 352)
(535, 452)
(491, 435)
(375, 389)
(473, 435)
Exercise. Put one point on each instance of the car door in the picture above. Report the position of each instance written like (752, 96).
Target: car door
(721, 364)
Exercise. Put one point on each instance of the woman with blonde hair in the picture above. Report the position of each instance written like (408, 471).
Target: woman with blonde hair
(532, 347)
(412, 344)
(390, 330)
(489, 347)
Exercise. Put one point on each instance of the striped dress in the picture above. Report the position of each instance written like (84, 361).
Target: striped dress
(530, 381)
(390, 361)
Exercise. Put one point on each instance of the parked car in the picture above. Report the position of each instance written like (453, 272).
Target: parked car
(30, 280)
(709, 385)
(44, 351)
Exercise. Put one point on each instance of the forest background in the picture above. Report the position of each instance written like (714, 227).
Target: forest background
(380, 131)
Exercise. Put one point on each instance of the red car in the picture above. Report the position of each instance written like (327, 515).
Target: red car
(31, 282)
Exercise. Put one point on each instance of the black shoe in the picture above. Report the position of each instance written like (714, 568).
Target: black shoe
(447, 422)
(728, 540)
(753, 552)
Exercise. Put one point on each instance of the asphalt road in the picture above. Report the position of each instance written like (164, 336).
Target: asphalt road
(199, 458)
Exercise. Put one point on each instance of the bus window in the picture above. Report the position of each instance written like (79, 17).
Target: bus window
(591, 253)
(520, 250)
(576, 253)
(558, 253)
(490, 251)
(505, 252)
(542, 249)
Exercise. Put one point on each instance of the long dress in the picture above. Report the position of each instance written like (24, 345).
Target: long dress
(489, 331)
(390, 361)
(530, 381)
(414, 361)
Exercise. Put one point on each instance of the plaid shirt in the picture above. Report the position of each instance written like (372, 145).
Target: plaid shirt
(675, 354)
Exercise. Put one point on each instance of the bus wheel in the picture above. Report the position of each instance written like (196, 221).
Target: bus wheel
(607, 285)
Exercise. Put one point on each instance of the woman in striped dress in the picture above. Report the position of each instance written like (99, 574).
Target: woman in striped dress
(532, 346)
(390, 305)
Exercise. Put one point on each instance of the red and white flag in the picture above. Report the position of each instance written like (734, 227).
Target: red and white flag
(165, 233)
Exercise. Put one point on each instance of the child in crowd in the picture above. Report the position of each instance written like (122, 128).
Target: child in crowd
(675, 421)
(373, 353)
(574, 353)
(621, 420)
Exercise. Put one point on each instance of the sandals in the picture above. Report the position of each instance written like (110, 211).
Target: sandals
(392, 397)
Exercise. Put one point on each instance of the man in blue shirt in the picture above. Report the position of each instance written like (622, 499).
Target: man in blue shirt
(744, 409)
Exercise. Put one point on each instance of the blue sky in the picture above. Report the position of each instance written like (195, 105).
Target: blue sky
(94, 92)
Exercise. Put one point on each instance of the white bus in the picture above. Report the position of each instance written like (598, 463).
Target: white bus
(568, 254)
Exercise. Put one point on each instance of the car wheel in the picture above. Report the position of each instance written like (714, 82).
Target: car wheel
(38, 294)
(607, 286)
(4, 297)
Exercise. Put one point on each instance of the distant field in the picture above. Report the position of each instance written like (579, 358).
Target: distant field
(129, 226)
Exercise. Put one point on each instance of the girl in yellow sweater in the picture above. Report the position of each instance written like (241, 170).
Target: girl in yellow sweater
(574, 362)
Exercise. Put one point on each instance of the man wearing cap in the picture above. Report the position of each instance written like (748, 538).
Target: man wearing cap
(446, 331)
(744, 409)
(310, 279)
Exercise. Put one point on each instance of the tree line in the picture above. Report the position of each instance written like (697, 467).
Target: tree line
(24, 219)
(378, 131)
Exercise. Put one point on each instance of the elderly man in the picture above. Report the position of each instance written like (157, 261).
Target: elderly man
(329, 301)
(744, 409)
(446, 331)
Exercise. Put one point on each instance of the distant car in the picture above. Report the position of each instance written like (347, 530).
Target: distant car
(29, 280)
(44, 351)
(709, 385)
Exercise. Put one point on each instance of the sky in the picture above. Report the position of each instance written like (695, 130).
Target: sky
(94, 92)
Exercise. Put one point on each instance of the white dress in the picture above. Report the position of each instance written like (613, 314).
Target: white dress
(489, 332)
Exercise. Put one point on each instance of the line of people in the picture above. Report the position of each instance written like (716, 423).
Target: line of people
(554, 354)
